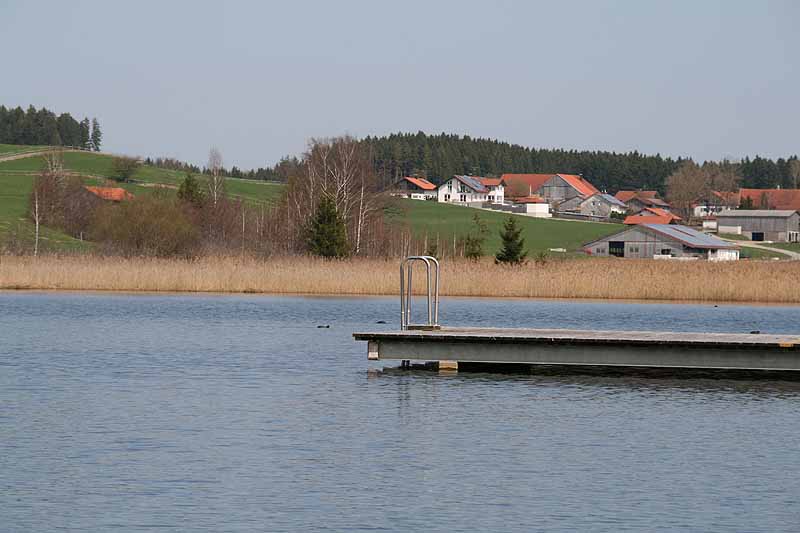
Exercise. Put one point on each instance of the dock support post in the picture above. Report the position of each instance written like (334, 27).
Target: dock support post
(448, 366)
(372, 351)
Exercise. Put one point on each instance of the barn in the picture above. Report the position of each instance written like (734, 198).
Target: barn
(761, 224)
(663, 241)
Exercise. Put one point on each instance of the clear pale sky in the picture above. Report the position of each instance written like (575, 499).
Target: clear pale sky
(707, 79)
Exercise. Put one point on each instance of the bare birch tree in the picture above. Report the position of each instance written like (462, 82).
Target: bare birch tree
(216, 181)
(37, 218)
(339, 169)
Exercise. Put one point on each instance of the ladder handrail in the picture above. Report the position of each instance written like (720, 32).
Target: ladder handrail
(406, 289)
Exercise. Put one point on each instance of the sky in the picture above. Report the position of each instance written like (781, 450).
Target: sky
(706, 79)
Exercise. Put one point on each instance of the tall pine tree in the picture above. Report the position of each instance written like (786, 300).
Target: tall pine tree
(97, 135)
(513, 250)
(85, 134)
(327, 235)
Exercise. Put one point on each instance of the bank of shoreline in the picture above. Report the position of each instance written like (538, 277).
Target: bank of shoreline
(767, 282)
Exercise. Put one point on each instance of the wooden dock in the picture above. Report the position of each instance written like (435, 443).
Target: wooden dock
(451, 345)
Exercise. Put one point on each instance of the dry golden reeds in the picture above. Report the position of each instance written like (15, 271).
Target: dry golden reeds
(754, 281)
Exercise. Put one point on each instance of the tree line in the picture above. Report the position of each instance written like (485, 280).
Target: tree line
(42, 127)
(280, 172)
(437, 157)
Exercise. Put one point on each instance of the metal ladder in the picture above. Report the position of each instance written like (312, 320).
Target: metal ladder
(406, 278)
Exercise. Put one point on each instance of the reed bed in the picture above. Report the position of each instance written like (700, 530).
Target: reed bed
(745, 281)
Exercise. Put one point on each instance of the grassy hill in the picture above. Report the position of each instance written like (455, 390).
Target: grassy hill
(445, 221)
(97, 167)
(16, 184)
(14, 193)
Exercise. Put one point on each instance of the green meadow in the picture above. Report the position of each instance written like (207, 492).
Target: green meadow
(443, 221)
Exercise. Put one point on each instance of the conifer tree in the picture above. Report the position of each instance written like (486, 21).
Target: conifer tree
(327, 235)
(513, 250)
(97, 135)
(85, 134)
(473, 243)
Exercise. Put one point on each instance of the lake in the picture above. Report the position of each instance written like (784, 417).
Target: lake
(238, 413)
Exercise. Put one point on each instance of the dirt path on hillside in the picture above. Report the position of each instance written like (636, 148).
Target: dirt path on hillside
(33, 153)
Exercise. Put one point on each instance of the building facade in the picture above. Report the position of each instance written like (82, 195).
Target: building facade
(496, 193)
(414, 188)
(463, 190)
(761, 224)
(557, 189)
(601, 205)
(663, 241)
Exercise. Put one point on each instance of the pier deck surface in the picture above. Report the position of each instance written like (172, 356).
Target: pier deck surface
(578, 347)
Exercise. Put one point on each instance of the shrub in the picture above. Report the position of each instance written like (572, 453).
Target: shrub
(149, 225)
(124, 167)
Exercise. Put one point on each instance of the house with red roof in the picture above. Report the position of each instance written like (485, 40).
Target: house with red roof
(496, 189)
(714, 203)
(652, 215)
(638, 200)
(625, 196)
(111, 194)
(780, 199)
(414, 188)
(557, 189)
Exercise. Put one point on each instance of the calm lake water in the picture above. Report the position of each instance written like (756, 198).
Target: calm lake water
(236, 413)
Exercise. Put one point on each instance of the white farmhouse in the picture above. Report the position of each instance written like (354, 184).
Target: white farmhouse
(471, 190)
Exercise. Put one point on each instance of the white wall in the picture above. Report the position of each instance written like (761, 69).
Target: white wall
(453, 191)
(498, 194)
(538, 210)
(723, 255)
(736, 230)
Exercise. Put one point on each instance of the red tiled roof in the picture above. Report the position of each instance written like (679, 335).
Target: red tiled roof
(533, 199)
(624, 196)
(659, 213)
(781, 199)
(422, 183)
(583, 187)
(114, 194)
(731, 198)
(533, 181)
(490, 182)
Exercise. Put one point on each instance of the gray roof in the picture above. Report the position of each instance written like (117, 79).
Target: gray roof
(472, 182)
(610, 199)
(689, 236)
(781, 213)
